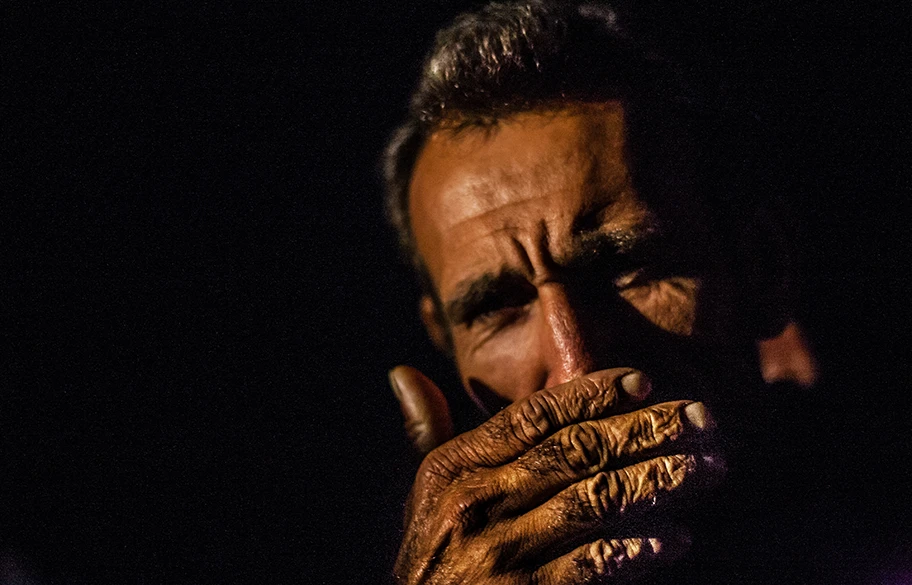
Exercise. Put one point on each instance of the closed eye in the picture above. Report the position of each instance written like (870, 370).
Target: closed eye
(499, 317)
(638, 277)
(501, 297)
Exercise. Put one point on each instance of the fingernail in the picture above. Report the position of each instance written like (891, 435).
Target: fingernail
(656, 545)
(698, 416)
(394, 384)
(636, 385)
(671, 546)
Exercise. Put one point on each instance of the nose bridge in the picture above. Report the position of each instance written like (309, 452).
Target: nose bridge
(567, 353)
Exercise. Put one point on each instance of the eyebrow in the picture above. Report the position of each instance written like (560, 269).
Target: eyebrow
(510, 287)
(601, 247)
(477, 295)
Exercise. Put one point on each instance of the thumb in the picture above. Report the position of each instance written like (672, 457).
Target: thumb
(426, 413)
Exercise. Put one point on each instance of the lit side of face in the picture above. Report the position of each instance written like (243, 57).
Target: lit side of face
(547, 263)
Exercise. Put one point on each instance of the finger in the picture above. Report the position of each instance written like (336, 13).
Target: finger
(612, 500)
(527, 422)
(612, 561)
(425, 409)
(582, 450)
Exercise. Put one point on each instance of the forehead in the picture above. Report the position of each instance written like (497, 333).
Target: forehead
(475, 191)
(462, 174)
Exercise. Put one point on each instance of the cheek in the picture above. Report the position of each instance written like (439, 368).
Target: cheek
(507, 365)
(670, 303)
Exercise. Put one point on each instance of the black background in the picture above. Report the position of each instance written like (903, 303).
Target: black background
(201, 298)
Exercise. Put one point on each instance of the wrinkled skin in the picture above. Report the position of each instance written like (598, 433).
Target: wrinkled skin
(555, 280)
(532, 495)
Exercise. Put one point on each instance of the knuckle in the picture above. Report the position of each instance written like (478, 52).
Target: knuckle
(597, 496)
(463, 511)
(662, 475)
(602, 557)
(674, 470)
(606, 557)
(644, 430)
(580, 446)
(431, 469)
(658, 425)
(591, 387)
(597, 392)
(623, 488)
(438, 468)
(534, 418)
(584, 398)
(620, 438)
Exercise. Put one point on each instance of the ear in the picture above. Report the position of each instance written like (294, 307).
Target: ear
(433, 323)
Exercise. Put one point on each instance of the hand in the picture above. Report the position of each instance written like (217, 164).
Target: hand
(552, 490)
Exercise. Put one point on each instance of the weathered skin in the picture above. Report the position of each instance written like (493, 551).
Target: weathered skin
(529, 496)
(556, 279)
(599, 278)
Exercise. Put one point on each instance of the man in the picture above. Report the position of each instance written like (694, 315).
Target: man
(576, 266)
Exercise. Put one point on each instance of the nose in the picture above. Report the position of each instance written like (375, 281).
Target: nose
(567, 352)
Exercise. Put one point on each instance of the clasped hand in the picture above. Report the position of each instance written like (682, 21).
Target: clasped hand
(565, 486)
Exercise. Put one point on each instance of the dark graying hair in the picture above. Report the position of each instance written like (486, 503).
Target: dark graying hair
(509, 58)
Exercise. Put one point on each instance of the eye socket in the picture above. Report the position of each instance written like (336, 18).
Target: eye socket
(493, 300)
(634, 278)
(497, 318)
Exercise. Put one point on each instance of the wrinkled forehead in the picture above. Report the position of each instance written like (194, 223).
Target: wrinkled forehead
(534, 172)
(466, 173)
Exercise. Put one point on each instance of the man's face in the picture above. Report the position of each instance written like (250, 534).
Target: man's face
(547, 263)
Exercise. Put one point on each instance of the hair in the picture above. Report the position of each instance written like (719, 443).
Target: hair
(538, 55)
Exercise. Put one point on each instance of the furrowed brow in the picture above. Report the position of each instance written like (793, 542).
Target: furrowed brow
(599, 247)
(486, 292)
